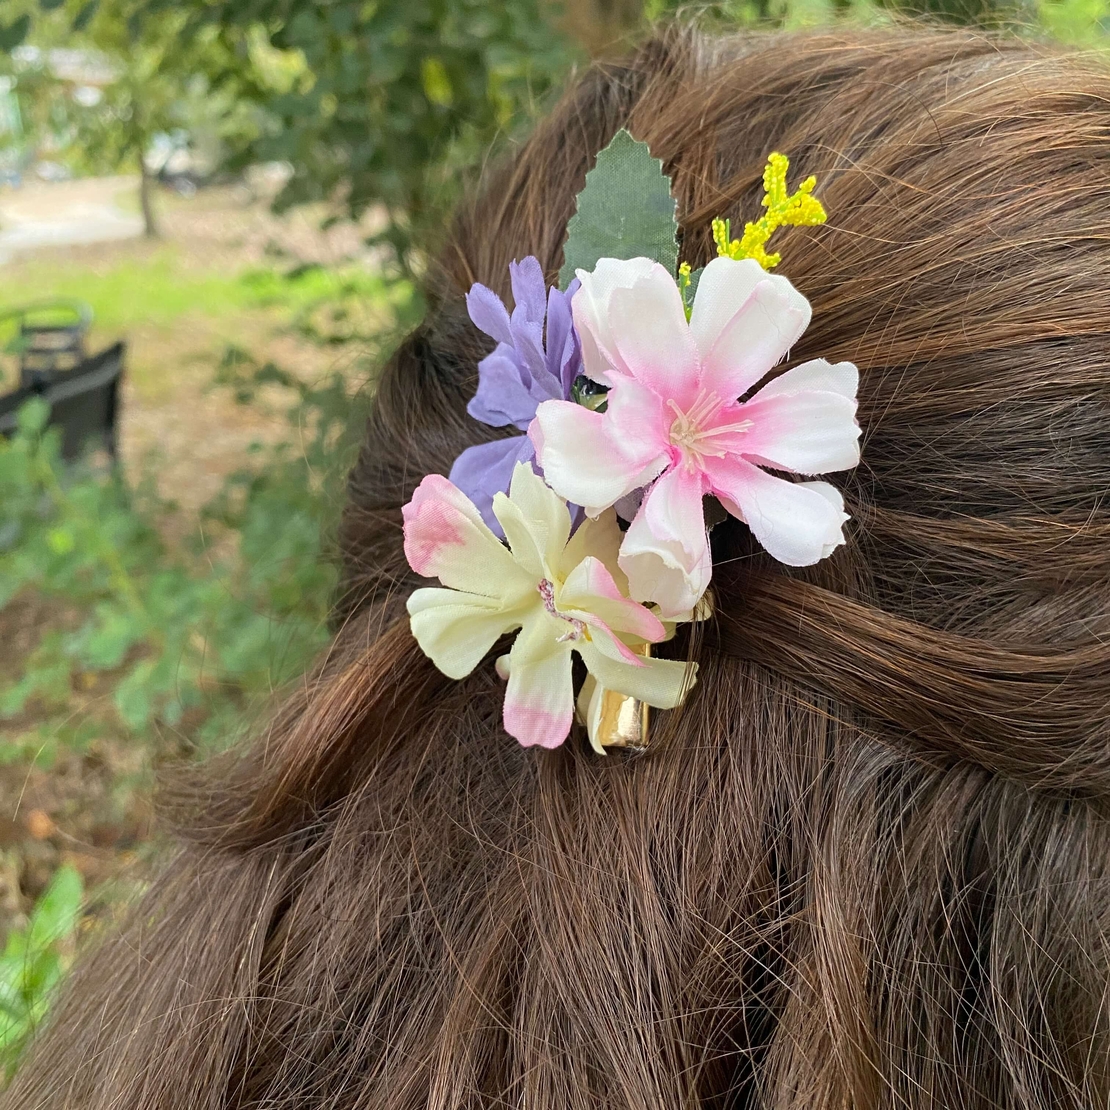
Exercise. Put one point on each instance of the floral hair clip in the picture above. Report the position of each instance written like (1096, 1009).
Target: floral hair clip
(637, 389)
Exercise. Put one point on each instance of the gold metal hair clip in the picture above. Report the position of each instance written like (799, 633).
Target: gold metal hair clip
(622, 721)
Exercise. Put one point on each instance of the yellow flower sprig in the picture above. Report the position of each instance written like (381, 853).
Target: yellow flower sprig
(798, 209)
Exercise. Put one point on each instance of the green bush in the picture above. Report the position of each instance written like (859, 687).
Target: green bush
(33, 961)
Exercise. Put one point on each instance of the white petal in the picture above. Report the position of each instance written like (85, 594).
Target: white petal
(758, 336)
(807, 432)
(666, 550)
(456, 630)
(799, 523)
(826, 377)
(723, 289)
(539, 700)
(445, 538)
(590, 309)
(580, 460)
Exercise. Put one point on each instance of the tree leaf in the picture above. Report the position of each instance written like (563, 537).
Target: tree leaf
(50, 5)
(625, 211)
(85, 16)
(12, 34)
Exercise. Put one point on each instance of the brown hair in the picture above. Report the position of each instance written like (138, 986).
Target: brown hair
(868, 865)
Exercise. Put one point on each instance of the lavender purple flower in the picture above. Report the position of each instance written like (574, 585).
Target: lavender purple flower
(530, 364)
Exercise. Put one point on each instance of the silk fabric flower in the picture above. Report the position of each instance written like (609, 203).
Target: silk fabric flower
(537, 358)
(563, 593)
(675, 424)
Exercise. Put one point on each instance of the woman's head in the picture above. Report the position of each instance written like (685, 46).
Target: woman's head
(867, 864)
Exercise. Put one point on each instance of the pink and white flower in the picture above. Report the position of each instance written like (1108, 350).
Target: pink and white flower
(676, 425)
(564, 593)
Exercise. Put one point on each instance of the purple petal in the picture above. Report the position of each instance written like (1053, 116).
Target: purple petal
(530, 297)
(487, 469)
(529, 289)
(488, 313)
(503, 396)
(564, 352)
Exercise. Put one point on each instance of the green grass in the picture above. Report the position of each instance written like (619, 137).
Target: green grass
(158, 289)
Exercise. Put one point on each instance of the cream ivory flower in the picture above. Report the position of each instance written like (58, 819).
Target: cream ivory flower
(675, 424)
(563, 593)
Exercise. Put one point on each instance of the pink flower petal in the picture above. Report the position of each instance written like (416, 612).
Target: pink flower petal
(758, 336)
(580, 459)
(649, 329)
(591, 595)
(445, 538)
(666, 549)
(796, 522)
(639, 420)
(807, 433)
(539, 699)
(825, 377)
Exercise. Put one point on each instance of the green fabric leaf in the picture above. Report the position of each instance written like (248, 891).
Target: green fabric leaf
(625, 211)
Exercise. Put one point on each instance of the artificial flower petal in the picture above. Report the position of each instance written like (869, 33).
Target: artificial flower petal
(523, 370)
(590, 307)
(488, 313)
(456, 630)
(817, 374)
(580, 458)
(445, 538)
(797, 524)
(807, 432)
(539, 700)
(502, 397)
(666, 550)
(758, 336)
(591, 594)
(485, 468)
(659, 682)
(650, 333)
(546, 512)
(723, 289)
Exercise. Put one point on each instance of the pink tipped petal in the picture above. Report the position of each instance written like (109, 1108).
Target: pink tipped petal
(807, 433)
(796, 523)
(649, 327)
(593, 596)
(659, 682)
(456, 630)
(580, 459)
(819, 375)
(666, 549)
(590, 309)
(445, 538)
(539, 700)
(756, 338)
(724, 288)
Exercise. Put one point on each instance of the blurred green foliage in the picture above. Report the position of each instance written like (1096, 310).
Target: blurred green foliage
(176, 630)
(34, 959)
(386, 101)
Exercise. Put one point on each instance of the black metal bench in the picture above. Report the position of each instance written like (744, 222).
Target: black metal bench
(82, 392)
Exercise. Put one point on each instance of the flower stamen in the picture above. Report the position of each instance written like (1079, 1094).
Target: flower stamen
(577, 629)
(693, 432)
